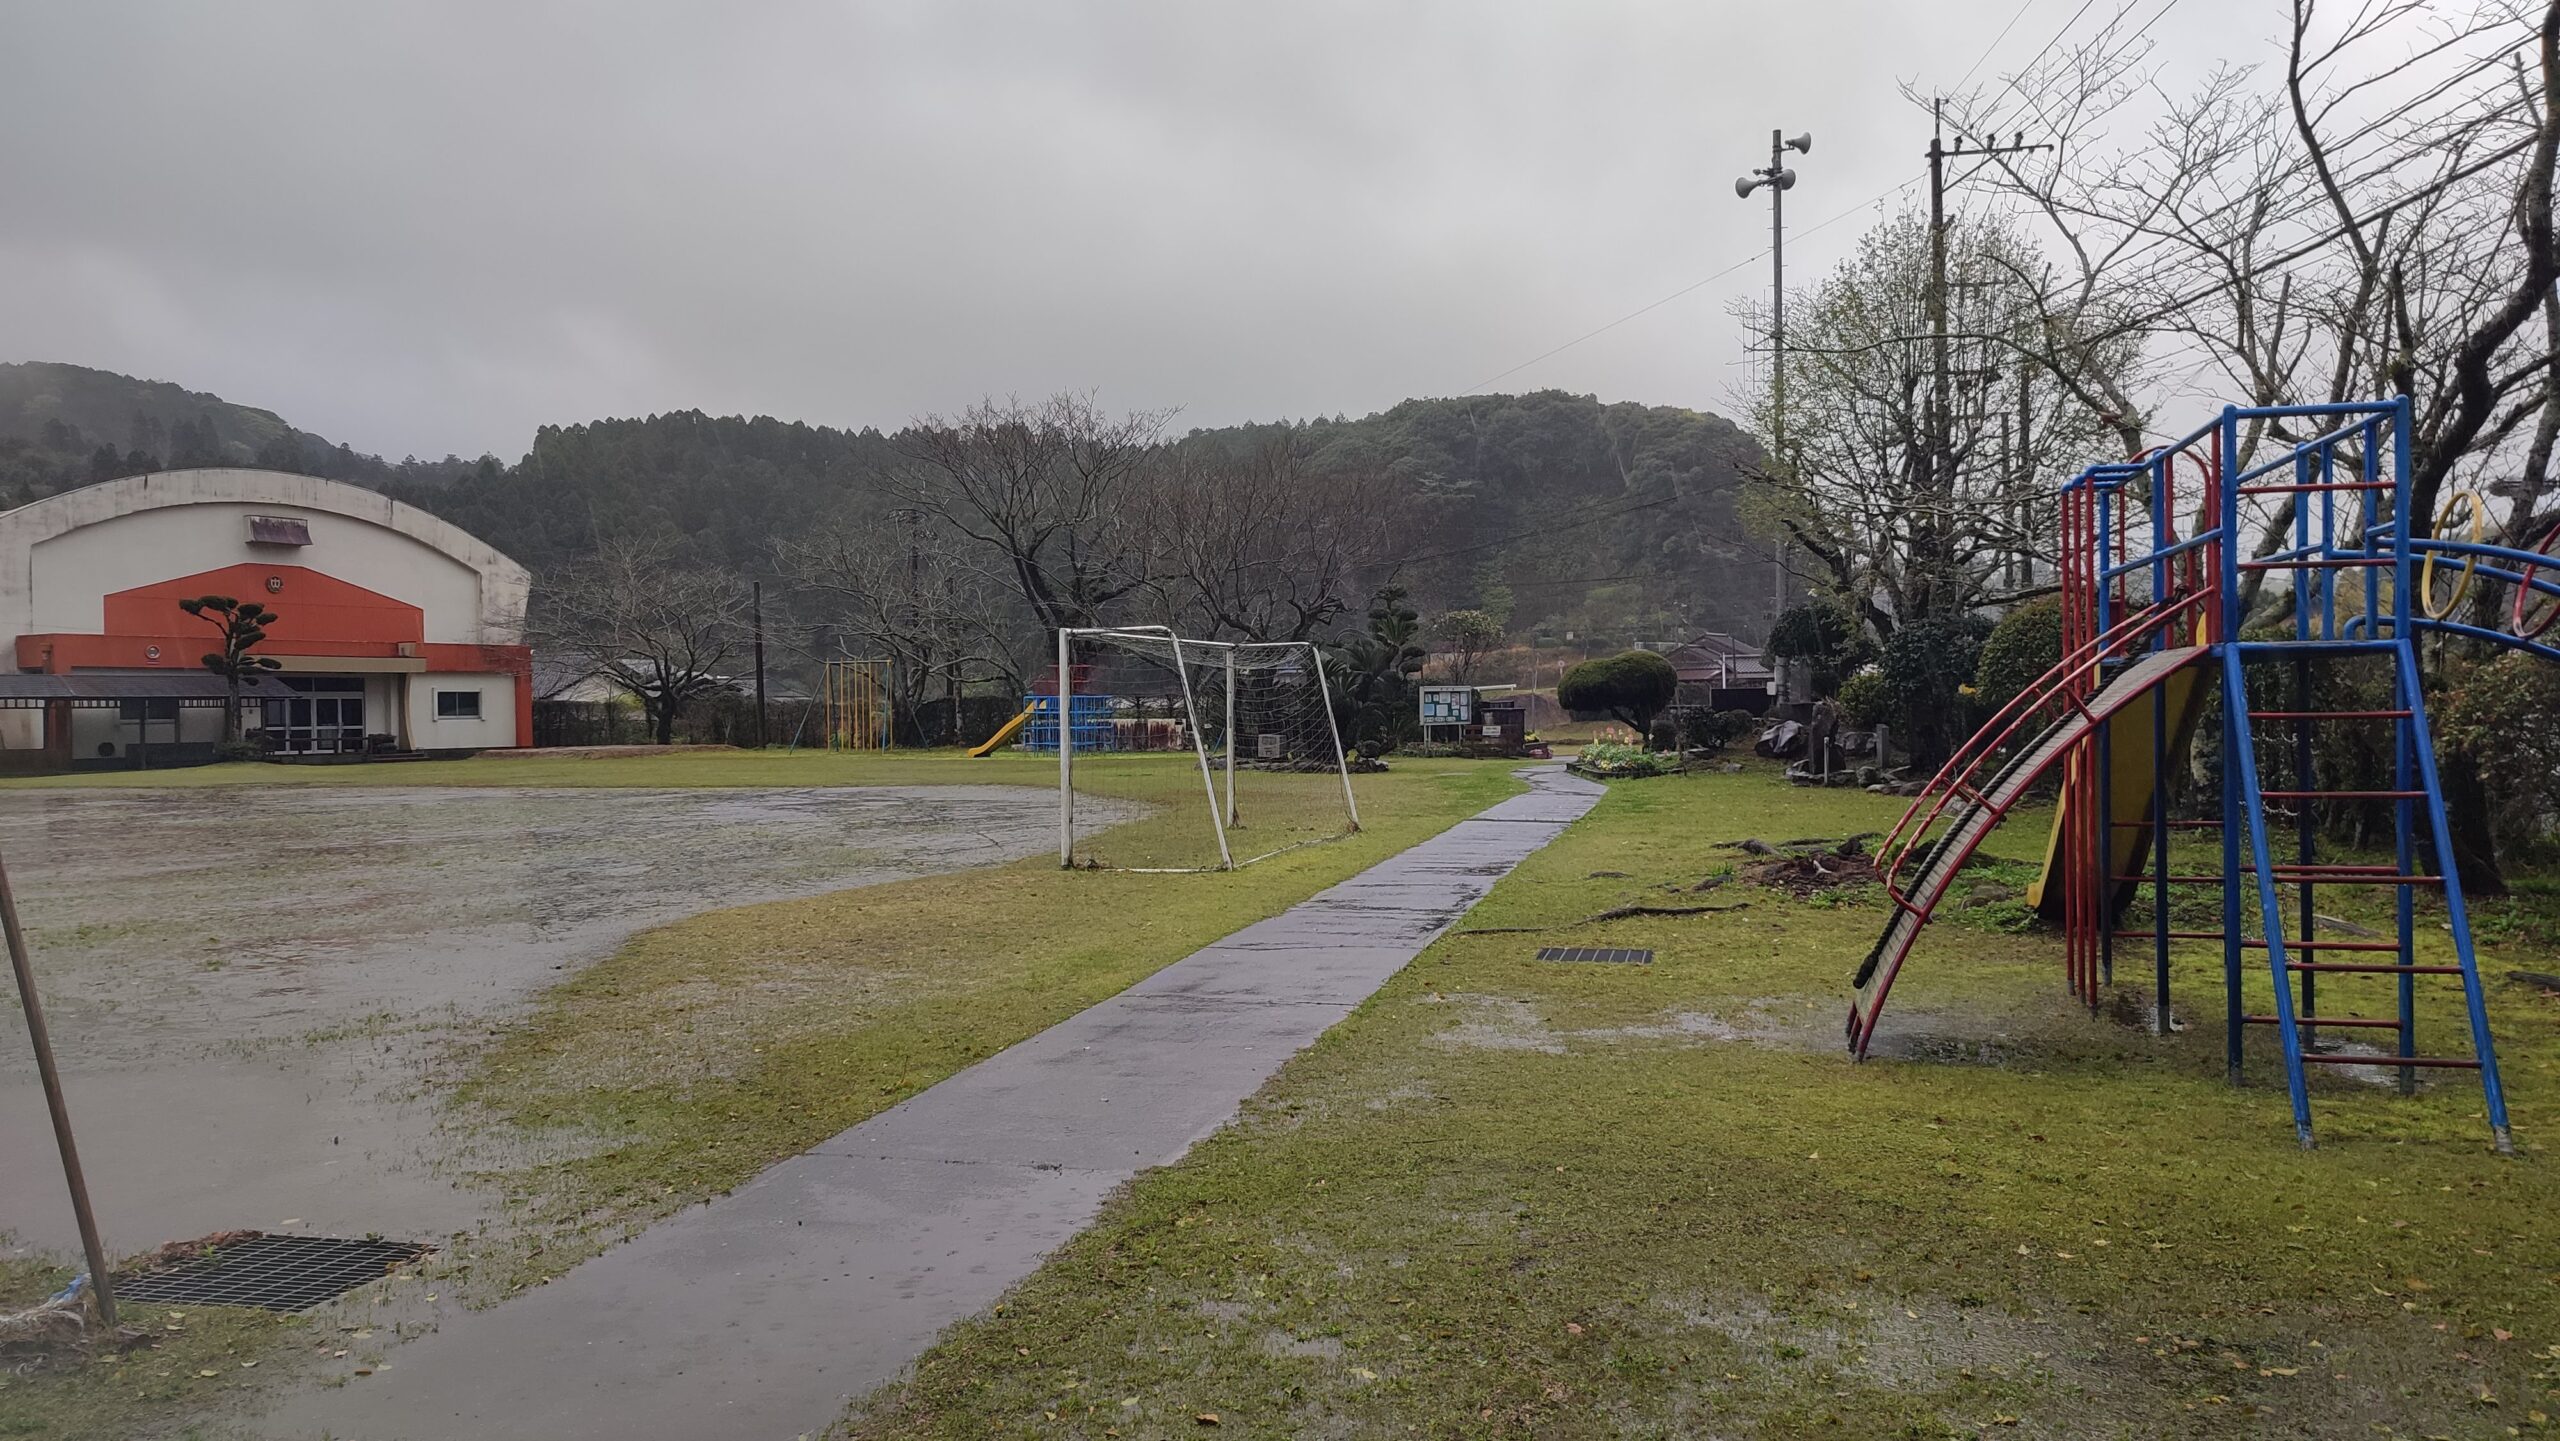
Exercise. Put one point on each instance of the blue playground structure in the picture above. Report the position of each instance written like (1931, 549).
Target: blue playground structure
(1089, 714)
(2154, 555)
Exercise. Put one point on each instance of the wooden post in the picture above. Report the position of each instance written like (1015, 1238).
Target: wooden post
(42, 1040)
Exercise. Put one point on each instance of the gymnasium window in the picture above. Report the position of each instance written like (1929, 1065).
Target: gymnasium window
(457, 705)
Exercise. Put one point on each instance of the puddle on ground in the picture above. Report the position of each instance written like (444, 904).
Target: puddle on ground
(248, 987)
(1802, 1023)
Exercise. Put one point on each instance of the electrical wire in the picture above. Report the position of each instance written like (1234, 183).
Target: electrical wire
(1752, 259)
(1763, 252)
(2014, 18)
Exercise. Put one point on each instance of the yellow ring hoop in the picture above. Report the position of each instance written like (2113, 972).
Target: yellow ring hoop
(2470, 563)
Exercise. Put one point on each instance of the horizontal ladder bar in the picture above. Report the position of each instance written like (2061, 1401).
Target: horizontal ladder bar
(2367, 969)
(2328, 715)
(2289, 876)
(2309, 562)
(2368, 1021)
(2323, 485)
(2254, 944)
(2332, 1058)
(2342, 795)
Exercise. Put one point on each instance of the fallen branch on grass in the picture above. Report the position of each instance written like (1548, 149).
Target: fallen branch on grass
(1614, 913)
(1620, 913)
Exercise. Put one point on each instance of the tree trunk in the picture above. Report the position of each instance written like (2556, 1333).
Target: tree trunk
(231, 711)
(662, 717)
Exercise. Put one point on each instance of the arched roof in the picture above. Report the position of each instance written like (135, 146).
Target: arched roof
(504, 584)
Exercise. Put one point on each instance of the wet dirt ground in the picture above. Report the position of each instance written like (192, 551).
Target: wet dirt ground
(257, 995)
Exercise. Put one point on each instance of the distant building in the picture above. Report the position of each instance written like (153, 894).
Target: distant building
(1721, 673)
(397, 630)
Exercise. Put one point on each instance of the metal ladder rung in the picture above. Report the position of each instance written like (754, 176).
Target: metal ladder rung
(2333, 1058)
(2313, 562)
(2293, 876)
(2372, 968)
(2308, 1022)
(2280, 489)
(2328, 715)
(2258, 945)
(2342, 795)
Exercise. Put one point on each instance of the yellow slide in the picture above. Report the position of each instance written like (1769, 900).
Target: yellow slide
(1004, 733)
(2128, 785)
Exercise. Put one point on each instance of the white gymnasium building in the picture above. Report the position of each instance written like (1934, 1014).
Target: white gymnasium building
(398, 632)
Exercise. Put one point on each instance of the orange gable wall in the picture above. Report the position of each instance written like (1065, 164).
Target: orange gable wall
(313, 608)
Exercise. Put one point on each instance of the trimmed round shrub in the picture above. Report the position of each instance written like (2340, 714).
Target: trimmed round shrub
(1633, 686)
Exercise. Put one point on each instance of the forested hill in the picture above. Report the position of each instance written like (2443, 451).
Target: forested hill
(67, 425)
(1560, 511)
(1557, 511)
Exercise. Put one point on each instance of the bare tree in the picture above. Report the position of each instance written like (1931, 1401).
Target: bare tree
(1051, 489)
(664, 632)
(2375, 221)
(900, 587)
(1264, 545)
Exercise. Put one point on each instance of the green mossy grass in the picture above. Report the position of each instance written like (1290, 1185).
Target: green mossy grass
(1524, 1198)
(183, 1361)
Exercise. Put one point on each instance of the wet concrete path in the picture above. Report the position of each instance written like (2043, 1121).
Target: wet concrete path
(763, 1314)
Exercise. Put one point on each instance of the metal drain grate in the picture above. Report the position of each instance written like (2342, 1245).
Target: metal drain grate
(1595, 953)
(278, 1273)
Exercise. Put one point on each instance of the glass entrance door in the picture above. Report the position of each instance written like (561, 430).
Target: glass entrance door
(321, 717)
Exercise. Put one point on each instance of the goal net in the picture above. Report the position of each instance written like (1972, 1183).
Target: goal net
(1191, 755)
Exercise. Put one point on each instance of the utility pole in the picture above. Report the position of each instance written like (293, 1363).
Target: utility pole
(1779, 180)
(755, 609)
(1940, 488)
(922, 644)
(2008, 505)
(2026, 468)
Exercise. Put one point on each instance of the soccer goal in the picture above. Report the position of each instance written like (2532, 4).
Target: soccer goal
(1190, 755)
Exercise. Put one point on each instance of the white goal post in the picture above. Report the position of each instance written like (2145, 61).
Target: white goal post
(1214, 699)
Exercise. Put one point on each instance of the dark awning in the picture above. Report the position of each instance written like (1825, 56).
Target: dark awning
(113, 686)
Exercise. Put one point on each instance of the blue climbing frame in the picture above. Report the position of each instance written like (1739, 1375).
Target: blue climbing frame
(2335, 502)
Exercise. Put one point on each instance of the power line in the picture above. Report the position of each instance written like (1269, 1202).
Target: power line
(2014, 18)
(2367, 168)
(1763, 253)
(1749, 260)
(2306, 248)
(2309, 247)
(1752, 259)
(2009, 83)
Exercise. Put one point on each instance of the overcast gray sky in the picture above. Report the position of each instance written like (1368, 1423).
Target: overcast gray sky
(431, 227)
